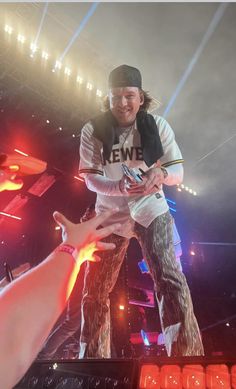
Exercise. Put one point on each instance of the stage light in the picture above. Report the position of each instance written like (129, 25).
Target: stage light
(78, 178)
(121, 307)
(192, 253)
(58, 65)
(149, 377)
(89, 86)
(9, 215)
(195, 193)
(73, 135)
(33, 47)
(47, 121)
(60, 128)
(21, 38)
(8, 29)
(171, 377)
(57, 228)
(145, 338)
(217, 376)
(79, 79)
(179, 189)
(99, 93)
(67, 71)
(55, 366)
(182, 186)
(193, 376)
(45, 55)
(233, 376)
(21, 152)
(227, 324)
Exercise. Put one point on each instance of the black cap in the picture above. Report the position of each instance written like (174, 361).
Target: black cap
(124, 76)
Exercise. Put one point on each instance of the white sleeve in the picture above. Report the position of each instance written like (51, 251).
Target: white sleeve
(102, 185)
(172, 159)
(90, 152)
(175, 174)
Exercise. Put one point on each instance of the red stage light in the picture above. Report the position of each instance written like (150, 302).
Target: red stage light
(233, 376)
(217, 377)
(149, 377)
(21, 152)
(171, 377)
(78, 178)
(193, 376)
(9, 215)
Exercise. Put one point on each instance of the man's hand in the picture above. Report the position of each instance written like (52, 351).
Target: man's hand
(152, 180)
(85, 236)
(8, 179)
(129, 187)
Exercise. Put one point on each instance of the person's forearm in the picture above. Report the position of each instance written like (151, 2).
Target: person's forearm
(29, 309)
(102, 185)
(175, 174)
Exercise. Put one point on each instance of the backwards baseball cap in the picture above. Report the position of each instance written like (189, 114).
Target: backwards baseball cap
(123, 76)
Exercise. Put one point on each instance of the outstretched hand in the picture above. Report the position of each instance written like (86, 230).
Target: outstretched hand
(85, 236)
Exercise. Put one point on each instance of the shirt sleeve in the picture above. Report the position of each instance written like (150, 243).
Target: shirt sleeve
(102, 185)
(90, 152)
(172, 159)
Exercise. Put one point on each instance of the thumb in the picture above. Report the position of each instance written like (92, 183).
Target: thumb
(60, 219)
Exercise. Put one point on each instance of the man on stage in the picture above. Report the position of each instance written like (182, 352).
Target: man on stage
(127, 134)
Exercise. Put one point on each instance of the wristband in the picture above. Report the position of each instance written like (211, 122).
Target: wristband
(67, 248)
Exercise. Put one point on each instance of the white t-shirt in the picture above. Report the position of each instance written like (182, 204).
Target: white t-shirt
(143, 209)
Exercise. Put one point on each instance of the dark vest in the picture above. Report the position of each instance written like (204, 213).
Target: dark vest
(104, 130)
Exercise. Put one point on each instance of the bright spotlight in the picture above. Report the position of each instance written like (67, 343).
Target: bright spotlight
(45, 55)
(192, 253)
(33, 47)
(79, 79)
(21, 38)
(195, 193)
(67, 71)
(58, 65)
(99, 93)
(21, 152)
(8, 29)
(89, 86)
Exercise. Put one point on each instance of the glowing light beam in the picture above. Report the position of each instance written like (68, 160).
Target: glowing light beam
(212, 26)
(41, 23)
(21, 152)
(9, 215)
(80, 28)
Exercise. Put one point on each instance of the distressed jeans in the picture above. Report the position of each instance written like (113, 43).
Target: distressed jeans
(179, 325)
